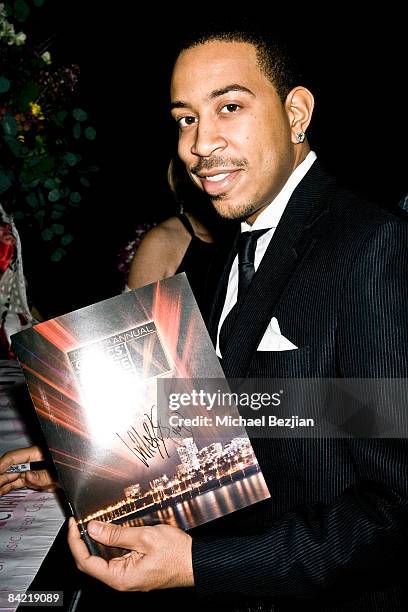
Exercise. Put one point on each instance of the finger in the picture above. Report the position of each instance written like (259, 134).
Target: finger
(131, 538)
(76, 543)
(113, 572)
(90, 564)
(20, 455)
(10, 477)
(12, 483)
(40, 479)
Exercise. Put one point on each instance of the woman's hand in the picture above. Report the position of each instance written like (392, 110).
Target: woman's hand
(40, 480)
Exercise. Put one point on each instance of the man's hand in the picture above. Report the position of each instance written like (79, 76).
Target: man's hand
(40, 479)
(159, 557)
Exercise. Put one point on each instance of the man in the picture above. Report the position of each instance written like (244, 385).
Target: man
(330, 289)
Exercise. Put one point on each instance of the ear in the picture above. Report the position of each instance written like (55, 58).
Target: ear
(299, 106)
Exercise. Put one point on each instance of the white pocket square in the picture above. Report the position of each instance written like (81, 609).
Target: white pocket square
(273, 339)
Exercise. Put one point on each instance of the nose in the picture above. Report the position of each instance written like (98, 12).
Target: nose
(207, 139)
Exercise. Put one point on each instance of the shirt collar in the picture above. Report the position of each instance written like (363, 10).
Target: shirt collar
(270, 217)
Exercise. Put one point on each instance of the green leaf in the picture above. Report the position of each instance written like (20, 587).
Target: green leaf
(90, 133)
(75, 197)
(4, 84)
(40, 215)
(79, 114)
(54, 195)
(47, 234)
(5, 182)
(65, 191)
(50, 183)
(59, 206)
(15, 146)
(29, 93)
(40, 165)
(34, 161)
(27, 176)
(21, 10)
(84, 181)
(46, 164)
(9, 125)
(56, 214)
(77, 130)
(33, 184)
(58, 254)
(32, 200)
(38, 3)
(71, 159)
(61, 116)
(18, 215)
(67, 239)
(58, 229)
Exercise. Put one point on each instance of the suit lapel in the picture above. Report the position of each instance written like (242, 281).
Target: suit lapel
(219, 272)
(305, 218)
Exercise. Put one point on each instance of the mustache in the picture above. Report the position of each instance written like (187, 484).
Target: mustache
(208, 163)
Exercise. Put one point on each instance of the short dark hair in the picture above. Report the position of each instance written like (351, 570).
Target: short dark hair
(272, 54)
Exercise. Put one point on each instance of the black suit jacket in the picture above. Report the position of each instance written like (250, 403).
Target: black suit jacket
(334, 534)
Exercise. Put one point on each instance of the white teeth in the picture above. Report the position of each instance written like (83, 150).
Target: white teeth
(217, 177)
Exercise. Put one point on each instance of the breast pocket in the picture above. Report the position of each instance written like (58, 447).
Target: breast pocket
(281, 364)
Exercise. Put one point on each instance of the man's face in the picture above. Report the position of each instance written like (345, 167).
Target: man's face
(234, 132)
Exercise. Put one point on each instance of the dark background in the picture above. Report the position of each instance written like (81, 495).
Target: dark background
(356, 69)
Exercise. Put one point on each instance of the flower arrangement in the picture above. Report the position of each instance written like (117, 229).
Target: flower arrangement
(45, 139)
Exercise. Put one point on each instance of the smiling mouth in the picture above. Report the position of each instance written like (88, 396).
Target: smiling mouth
(220, 183)
(216, 177)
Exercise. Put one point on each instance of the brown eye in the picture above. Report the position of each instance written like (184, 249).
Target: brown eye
(230, 108)
(186, 121)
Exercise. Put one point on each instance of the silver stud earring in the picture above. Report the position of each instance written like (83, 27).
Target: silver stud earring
(300, 136)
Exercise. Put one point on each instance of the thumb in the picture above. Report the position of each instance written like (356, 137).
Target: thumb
(39, 478)
(111, 535)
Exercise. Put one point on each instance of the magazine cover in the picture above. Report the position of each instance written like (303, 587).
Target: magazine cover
(93, 376)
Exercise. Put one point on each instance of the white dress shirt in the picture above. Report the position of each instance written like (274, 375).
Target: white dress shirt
(269, 217)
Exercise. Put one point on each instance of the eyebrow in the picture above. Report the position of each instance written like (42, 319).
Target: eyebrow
(216, 93)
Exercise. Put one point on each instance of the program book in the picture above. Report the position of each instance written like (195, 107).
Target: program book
(94, 376)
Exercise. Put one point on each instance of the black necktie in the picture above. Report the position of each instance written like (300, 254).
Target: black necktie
(246, 257)
(246, 271)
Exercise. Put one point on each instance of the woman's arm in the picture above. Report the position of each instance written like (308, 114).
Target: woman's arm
(159, 254)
